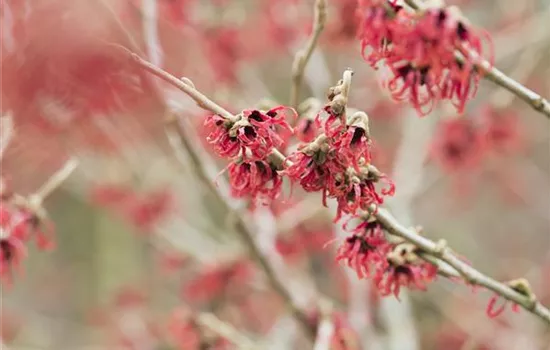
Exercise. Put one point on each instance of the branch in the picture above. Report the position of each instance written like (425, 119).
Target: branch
(537, 102)
(302, 57)
(54, 181)
(461, 269)
(242, 229)
(6, 133)
(224, 330)
(457, 266)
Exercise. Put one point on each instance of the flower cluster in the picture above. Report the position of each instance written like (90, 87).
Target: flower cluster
(19, 223)
(248, 141)
(391, 266)
(419, 52)
(337, 162)
(461, 143)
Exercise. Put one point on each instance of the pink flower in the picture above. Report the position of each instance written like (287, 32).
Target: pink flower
(494, 311)
(255, 179)
(253, 134)
(366, 248)
(457, 145)
(412, 275)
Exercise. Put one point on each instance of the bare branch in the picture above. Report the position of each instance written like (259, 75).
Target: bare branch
(54, 181)
(462, 269)
(303, 56)
(224, 330)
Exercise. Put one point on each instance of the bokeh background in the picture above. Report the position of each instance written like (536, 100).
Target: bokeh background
(147, 254)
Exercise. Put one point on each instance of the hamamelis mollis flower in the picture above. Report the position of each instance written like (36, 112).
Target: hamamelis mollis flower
(502, 131)
(405, 269)
(252, 134)
(17, 226)
(353, 144)
(458, 145)
(419, 51)
(254, 179)
(366, 248)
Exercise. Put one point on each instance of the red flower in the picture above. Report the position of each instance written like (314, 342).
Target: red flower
(61, 70)
(493, 311)
(502, 131)
(366, 248)
(457, 145)
(306, 130)
(353, 145)
(252, 134)
(13, 233)
(404, 270)
(256, 179)
(419, 50)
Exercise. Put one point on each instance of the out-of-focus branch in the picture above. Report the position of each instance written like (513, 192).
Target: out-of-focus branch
(302, 57)
(240, 225)
(325, 330)
(247, 237)
(537, 102)
(461, 268)
(6, 133)
(54, 181)
(225, 330)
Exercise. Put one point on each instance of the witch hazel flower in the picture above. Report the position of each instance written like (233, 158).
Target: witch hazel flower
(405, 269)
(251, 134)
(357, 190)
(365, 249)
(19, 224)
(254, 179)
(458, 145)
(307, 129)
(420, 52)
(353, 144)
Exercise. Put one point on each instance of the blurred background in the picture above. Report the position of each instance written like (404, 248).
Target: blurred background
(140, 240)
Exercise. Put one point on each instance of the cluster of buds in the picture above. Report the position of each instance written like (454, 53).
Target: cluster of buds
(337, 162)
(390, 265)
(419, 48)
(21, 219)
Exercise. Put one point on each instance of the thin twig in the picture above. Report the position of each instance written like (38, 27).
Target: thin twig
(55, 180)
(303, 56)
(6, 133)
(224, 330)
(537, 102)
(467, 272)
